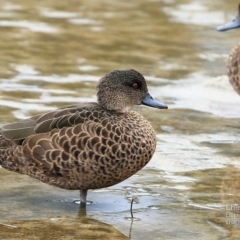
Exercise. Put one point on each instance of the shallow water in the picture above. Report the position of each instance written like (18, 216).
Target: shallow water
(53, 53)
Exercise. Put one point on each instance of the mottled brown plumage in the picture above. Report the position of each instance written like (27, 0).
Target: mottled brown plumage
(233, 68)
(233, 62)
(85, 146)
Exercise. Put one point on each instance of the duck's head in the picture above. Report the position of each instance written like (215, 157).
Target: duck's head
(235, 23)
(121, 89)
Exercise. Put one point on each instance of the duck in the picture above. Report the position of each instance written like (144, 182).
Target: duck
(233, 62)
(89, 145)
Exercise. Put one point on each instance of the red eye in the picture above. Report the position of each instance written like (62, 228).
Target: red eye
(135, 86)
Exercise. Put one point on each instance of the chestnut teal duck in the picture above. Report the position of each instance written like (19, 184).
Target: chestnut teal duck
(233, 62)
(89, 145)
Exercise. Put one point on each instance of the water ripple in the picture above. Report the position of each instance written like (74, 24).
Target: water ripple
(31, 26)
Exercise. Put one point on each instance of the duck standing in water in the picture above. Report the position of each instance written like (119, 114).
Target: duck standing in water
(88, 145)
(233, 63)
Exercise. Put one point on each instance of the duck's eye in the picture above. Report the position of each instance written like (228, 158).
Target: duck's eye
(135, 85)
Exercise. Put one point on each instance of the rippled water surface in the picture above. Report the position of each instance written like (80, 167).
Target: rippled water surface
(54, 52)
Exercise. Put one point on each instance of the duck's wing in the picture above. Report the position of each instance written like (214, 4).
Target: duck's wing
(44, 123)
(62, 144)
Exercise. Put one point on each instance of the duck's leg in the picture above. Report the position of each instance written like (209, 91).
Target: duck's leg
(83, 197)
